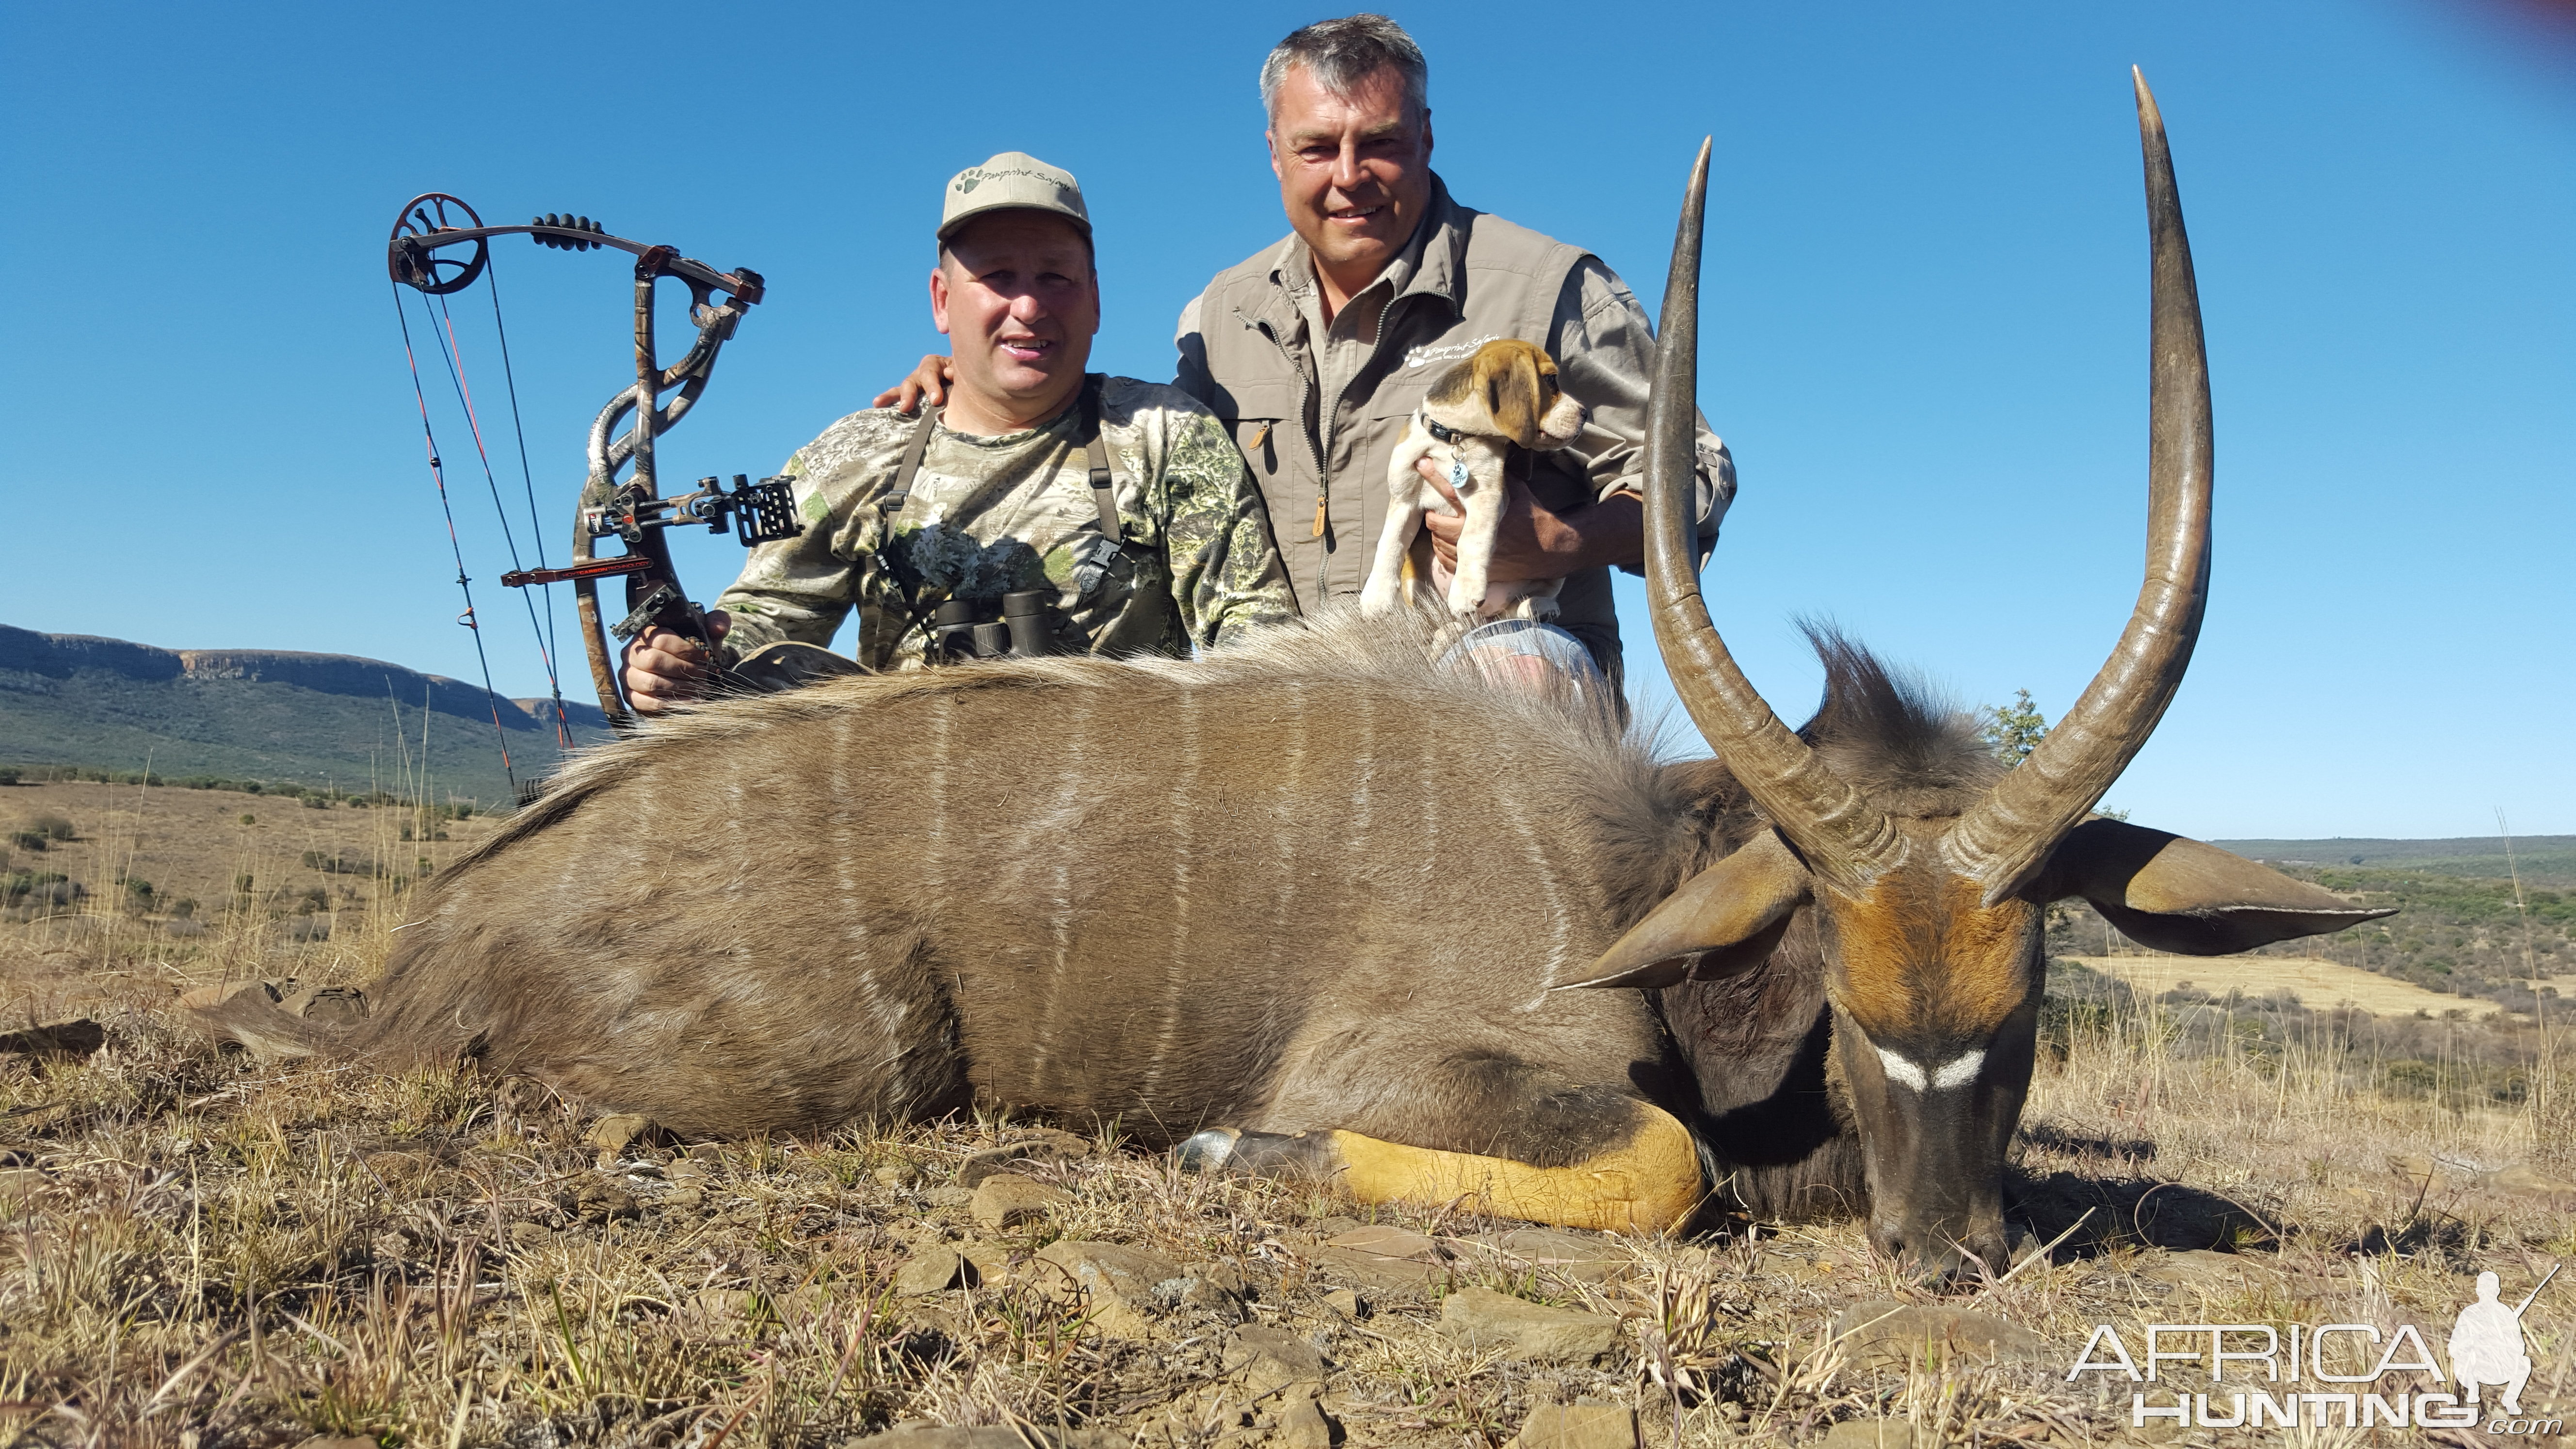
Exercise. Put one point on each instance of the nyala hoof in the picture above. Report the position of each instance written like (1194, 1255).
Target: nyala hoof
(1259, 1154)
(1206, 1151)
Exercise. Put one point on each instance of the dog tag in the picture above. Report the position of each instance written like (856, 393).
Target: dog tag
(1457, 475)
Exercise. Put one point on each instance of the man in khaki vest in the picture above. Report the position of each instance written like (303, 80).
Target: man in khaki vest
(1315, 351)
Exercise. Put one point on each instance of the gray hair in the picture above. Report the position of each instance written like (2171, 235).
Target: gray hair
(1341, 53)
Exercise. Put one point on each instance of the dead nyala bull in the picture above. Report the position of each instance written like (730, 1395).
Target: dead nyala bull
(1285, 899)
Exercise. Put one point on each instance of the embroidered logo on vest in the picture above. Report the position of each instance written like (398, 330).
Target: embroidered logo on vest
(1428, 354)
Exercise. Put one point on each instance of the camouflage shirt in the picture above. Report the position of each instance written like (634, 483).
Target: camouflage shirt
(988, 516)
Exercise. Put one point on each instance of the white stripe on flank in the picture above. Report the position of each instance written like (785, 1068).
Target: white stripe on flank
(1175, 969)
(1559, 937)
(1959, 1071)
(1901, 1070)
(1060, 824)
(934, 843)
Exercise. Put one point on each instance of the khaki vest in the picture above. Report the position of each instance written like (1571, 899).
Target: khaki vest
(1481, 278)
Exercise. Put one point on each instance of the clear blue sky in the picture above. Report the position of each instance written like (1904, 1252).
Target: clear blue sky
(1924, 329)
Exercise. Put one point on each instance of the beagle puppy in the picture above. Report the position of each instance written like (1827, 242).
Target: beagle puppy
(1505, 393)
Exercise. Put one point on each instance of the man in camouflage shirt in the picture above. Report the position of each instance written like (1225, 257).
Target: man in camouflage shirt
(998, 496)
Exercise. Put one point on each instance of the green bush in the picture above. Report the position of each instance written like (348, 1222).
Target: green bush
(38, 888)
(29, 839)
(53, 826)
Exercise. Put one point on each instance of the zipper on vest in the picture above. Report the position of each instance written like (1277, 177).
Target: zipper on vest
(1385, 317)
(1306, 390)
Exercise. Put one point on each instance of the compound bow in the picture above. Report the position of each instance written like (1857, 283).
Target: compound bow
(633, 511)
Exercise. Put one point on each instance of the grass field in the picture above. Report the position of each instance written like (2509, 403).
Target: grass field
(198, 845)
(203, 1249)
(2316, 982)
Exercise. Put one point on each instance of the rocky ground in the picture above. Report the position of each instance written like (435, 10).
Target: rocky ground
(207, 1250)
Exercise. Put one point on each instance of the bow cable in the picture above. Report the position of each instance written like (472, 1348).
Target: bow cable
(454, 356)
(536, 527)
(438, 475)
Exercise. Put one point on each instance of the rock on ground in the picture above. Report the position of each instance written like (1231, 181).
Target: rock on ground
(1303, 1424)
(1123, 1287)
(1579, 1426)
(933, 1268)
(614, 1134)
(1271, 1358)
(1888, 1334)
(1483, 1318)
(1044, 1146)
(1585, 1257)
(1007, 1200)
(1388, 1259)
(1870, 1434)
(935, 1436)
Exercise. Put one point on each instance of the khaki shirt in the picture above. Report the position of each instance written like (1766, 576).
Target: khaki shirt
(1317, 409)
(989, 516)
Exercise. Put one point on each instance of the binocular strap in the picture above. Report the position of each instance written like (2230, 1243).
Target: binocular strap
(1096, 461)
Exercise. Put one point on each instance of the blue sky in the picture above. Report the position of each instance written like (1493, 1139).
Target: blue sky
(1924, 328)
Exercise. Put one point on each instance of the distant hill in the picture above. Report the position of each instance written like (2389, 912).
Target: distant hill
(309, 719)
(2541, 859)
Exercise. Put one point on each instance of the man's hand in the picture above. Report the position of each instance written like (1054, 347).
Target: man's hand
(928, 383)
(1534, 543)
(664, 668)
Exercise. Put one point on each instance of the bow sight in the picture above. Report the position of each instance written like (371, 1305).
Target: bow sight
(761, 512)
(632, 511)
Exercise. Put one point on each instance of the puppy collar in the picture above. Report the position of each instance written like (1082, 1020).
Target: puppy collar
(1432, 426)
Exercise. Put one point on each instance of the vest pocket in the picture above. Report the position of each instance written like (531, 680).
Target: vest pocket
(1259, 440)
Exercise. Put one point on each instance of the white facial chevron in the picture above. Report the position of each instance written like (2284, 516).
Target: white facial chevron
(1901, 1070)
(1959, 1071)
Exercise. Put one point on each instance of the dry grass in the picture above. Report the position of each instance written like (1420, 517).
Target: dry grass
(2314, 980)
(201, 1249)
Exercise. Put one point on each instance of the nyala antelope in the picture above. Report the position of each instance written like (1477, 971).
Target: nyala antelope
(1265, 902)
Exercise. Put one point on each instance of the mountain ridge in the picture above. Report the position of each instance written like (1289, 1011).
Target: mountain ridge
(283, 715)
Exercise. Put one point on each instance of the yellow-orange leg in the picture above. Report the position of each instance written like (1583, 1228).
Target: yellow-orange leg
(1648, 1184)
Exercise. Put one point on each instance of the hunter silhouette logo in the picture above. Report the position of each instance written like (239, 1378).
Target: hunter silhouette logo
(2486, 1350)
(2486, 1343)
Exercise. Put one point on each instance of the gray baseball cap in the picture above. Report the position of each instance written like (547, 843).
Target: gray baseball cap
(1014, 179)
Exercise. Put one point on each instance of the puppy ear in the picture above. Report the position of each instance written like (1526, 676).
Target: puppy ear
(1518, 395)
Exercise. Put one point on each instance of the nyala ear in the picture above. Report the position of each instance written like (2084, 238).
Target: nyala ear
(1723, 920)
(2180, 895)
(1520, 387)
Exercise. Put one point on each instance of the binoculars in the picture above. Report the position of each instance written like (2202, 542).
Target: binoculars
(1023, 625)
